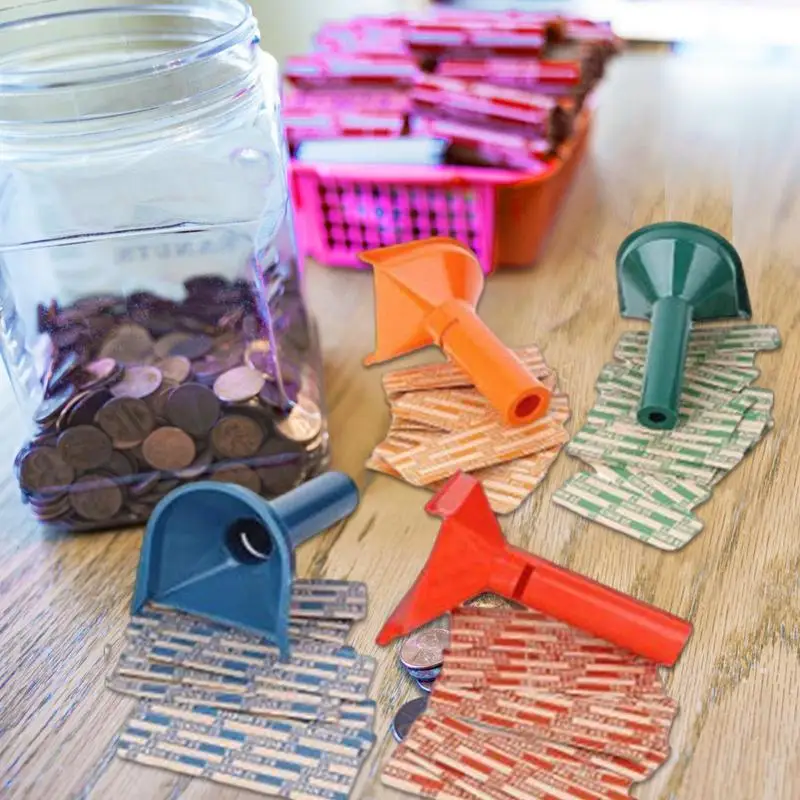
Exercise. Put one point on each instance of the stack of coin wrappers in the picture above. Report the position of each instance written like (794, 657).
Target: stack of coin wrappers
(646, 483)
(217, 704)
(527, 707)
(442, 425)
(502, 88)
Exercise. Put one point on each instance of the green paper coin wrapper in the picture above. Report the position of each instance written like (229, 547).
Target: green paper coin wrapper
(222, 552)
(470, 556)
(672, 273)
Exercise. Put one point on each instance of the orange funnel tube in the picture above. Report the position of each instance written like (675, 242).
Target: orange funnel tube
(471, 556)
(426, 293)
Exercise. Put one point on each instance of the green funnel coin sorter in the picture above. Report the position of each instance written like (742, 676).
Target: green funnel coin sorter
(674, 273)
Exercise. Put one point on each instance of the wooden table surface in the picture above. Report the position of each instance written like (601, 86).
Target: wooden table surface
(688, 137)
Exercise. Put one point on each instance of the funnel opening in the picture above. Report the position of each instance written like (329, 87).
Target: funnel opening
(527, 406)
(657, 418)
(248, 541)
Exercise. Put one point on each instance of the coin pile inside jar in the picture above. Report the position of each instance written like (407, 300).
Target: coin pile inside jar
(422, 656)
(143, 394)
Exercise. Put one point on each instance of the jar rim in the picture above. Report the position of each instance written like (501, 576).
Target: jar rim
(241, 26)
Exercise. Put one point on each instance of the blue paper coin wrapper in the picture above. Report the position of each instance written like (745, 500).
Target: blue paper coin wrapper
(222, 552)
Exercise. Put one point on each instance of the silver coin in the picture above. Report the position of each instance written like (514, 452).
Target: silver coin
(303, 423)
(425, 650)
(407, 716)
(425, 674)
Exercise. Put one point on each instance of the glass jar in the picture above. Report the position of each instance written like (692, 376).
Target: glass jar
(152, 318)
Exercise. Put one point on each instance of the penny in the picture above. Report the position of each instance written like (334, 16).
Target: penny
(280, 466)
(144, 485)
(240, 475)
(303, 423)
(50, 408)
(198, 466)
(43, 468)
(61, 371)
(425, 650)
(208, 369)
(271, 394)
(128, 343)
(53, 511)
(238, 384)
(259, 356)
(121, 465)
(236, 436)
(193, 347)
(162, 347)
(100, 371)
(127, 420)
(168, 449)
(84, 447)
(193, 408)
(138, 382)
(407, 716)
(95, 498)
(85, 408)
(175, 368)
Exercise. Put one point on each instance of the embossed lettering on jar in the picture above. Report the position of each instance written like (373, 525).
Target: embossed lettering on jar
(146, 252)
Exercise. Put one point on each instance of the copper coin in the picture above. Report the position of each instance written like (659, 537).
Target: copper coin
(258, 355)
(43, 468)
(425, 650)
(85, 408)
(128, 344)
(60, 372)
(84, 447)
(54, 510)
(193, 347)
(175, 368)
(144, 485)
(158, 400)
(95, 498)
(126, 420)
(163, 346)
(236, 436)
(121, 465)
(168, 449)
(280, 465)
(100, 371)
(50, 408)
(303, 423)
(238, 384)
(194, 408)
(198, 466)
(138, 382)
(241, 476)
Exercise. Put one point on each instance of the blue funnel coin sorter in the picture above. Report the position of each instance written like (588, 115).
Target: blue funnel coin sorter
(222, 552)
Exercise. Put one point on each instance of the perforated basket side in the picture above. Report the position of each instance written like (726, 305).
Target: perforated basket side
(344, 213)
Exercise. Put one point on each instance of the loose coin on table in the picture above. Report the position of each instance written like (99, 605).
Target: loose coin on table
(424, 651)
(407, 716)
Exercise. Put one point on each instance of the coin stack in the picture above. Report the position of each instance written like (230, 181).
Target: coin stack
(142, 394)
(422, 656)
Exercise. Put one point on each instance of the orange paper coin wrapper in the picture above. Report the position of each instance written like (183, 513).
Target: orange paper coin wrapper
(426, 293)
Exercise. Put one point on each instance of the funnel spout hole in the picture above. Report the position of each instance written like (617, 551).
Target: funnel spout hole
(248, 541)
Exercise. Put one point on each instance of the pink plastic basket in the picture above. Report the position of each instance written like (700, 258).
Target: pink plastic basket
(342, 211)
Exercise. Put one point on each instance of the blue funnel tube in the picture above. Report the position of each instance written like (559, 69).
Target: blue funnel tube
(222, 552)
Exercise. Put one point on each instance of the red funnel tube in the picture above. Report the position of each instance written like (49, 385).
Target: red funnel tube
(471, 556)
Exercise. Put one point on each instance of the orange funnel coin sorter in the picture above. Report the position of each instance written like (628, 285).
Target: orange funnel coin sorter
(425, 293)
(470, 556)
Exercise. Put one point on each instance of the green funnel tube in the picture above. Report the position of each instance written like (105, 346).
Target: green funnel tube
(666, 356)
